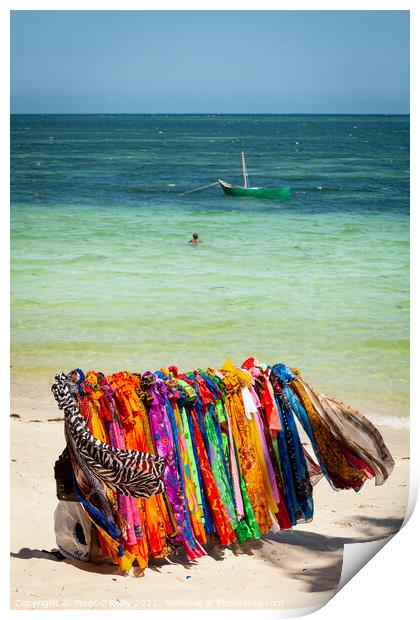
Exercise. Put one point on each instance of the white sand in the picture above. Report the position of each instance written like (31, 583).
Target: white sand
(299, 568)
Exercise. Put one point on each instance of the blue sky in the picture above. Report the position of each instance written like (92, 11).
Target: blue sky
(210, 61)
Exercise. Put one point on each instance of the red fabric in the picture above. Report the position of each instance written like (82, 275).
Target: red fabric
(221, 519)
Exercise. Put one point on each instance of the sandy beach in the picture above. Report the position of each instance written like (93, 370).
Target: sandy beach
(289, 569)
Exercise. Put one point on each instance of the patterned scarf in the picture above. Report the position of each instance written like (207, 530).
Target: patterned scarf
(129, 472)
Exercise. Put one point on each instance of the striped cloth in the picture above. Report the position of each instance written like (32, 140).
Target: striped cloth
(129, 472)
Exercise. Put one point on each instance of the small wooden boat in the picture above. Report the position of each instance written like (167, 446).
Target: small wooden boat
(280, 193)
(277, 193)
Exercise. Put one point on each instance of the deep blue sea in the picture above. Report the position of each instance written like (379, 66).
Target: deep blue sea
(103, 276)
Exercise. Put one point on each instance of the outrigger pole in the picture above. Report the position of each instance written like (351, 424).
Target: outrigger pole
(190, 191)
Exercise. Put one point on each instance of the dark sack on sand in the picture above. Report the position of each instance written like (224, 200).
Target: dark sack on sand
(63, 474)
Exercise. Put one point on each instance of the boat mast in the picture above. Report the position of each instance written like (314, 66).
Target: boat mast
(244, 171)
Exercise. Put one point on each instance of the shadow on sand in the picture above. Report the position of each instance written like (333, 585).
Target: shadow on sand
(328, 551)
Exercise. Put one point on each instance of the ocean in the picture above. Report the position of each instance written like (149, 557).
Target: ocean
(103, 277)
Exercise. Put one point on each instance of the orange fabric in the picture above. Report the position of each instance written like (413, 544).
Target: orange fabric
(157, 524)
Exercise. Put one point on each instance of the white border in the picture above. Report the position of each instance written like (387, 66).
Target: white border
(386, 586)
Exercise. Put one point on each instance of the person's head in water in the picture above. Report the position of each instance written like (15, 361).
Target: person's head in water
(195, 239)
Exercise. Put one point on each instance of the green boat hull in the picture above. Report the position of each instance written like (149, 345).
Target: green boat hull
(277, 193)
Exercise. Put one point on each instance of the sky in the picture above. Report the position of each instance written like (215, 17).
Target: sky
(210, 62)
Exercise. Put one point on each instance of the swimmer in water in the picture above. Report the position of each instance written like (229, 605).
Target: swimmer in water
(195, 239)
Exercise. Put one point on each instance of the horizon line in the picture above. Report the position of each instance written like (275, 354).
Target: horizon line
(210, 113)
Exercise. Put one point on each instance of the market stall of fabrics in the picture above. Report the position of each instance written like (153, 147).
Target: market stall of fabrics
(168, 460)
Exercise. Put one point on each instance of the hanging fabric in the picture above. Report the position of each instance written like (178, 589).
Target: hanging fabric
(165, 461)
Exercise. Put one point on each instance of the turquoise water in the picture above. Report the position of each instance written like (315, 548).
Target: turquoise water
(103, 276)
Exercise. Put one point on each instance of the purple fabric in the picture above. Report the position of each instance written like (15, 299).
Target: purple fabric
(162, 435)
(235, 474)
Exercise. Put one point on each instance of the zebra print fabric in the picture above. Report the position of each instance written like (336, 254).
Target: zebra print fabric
(129, 472)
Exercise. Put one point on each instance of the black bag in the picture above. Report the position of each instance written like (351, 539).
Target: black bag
(63, 474)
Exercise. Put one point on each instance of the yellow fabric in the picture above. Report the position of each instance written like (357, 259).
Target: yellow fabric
(261, 460)
(234, 379)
